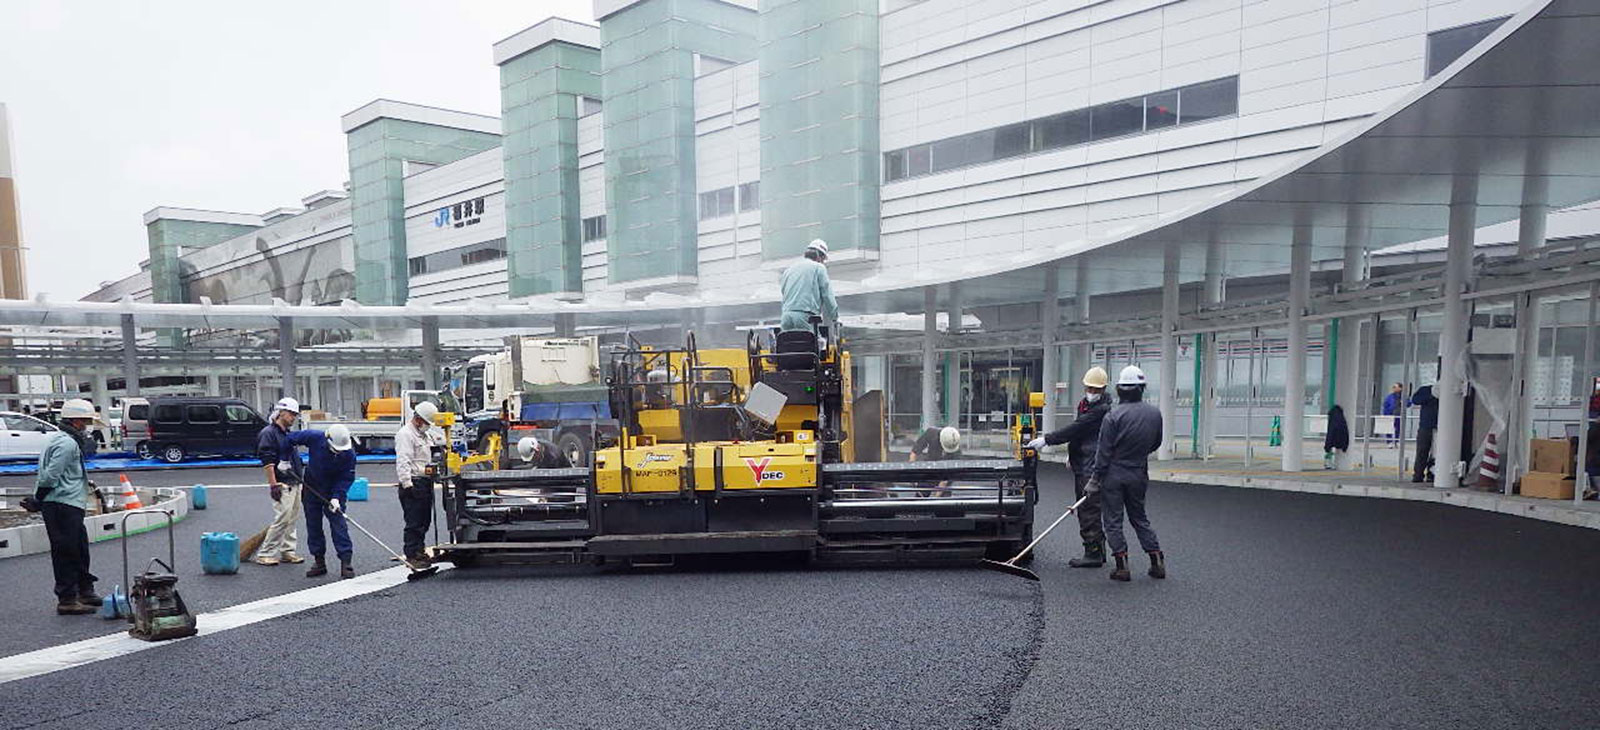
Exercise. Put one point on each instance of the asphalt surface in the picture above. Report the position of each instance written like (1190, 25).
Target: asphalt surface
(27, 607)
(1283, 610)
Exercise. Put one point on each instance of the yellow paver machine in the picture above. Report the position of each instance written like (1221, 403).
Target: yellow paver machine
(757, 450)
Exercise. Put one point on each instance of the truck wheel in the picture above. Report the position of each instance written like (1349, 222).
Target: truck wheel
(172, 453)
(576, 447)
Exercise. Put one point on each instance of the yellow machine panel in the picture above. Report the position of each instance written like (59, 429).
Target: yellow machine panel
(665, 425)
(760, 465)
(649, 469)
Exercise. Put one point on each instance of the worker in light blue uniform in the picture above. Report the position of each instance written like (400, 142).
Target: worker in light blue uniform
(807, 291)
(61, 494)
(330, 470)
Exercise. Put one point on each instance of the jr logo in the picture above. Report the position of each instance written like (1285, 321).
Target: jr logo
(759, 468)
(442, 218)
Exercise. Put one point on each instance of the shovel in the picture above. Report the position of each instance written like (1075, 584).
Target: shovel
(1011, 567)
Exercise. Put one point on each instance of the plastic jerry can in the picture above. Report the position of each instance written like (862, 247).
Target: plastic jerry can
(197, 496)
(219, 553)
(358, 490)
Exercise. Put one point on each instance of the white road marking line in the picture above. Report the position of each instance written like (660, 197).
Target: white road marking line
(79, 653)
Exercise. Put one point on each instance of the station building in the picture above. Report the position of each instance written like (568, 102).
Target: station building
(1012, 190)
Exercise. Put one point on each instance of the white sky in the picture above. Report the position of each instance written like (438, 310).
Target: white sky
(120, 106)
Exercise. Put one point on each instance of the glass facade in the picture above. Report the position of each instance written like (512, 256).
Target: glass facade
(819, 125)
(648, 96)
(542, 94)
(378, 154)
(1445, 46)
(167, 238)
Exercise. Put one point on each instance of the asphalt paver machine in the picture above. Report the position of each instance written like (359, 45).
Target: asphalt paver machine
(761, 449)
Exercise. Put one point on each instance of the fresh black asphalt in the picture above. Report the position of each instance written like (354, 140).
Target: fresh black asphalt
(1283, 611)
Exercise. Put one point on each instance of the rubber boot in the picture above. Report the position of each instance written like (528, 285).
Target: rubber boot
(1094, 556)
(1121, 572)
(345, 571)
(318, 568)
(1158, 564)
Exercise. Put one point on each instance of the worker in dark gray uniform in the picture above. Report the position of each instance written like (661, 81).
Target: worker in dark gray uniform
(1082, 438)
(1128, 435)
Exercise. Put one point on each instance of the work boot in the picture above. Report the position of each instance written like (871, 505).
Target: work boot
(266, 560)
(345, 571)
(1094, 556)
(418, 562)
(1121, 572)
(89, 597)
(291, 557)
(74, 607)
(319, 567)
(1158, 564)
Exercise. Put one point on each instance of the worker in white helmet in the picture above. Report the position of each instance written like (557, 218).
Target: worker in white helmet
(1082, 438)
(807, 291)
(281, 463)
(1129, 434)
(537, 453)
(61, 495)
(413, 465)
(937, 444)
(330, 472)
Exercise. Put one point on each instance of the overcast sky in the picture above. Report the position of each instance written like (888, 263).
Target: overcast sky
(120, 106)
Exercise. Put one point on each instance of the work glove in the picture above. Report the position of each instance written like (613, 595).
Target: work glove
(30, 504)
(277, 492)
(1092, 486)
(334, 506)
(1037, 444)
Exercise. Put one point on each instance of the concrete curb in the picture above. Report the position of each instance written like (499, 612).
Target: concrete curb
(31, 539)
(1546, 510)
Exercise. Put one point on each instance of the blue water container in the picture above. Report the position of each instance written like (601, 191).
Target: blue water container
(197, 496)
(219, 553)
(358, 490)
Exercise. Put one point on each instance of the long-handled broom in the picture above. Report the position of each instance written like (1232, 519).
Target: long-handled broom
(1011, 567)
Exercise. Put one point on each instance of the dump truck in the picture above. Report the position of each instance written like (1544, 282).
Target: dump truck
(548, 387)
(759, 449)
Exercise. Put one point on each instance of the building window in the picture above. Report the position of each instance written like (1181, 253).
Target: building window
(1445, 46)
(750, 196)
(588, 105)
(716, 203)
(458, 257)
(594, 228)
(1186, 105)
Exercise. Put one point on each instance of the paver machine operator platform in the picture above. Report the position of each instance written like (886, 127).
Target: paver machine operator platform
(742, 450)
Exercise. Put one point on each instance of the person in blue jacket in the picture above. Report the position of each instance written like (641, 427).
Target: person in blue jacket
(330, 471)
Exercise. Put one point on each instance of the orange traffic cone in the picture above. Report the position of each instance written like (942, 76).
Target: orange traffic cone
(1489, 468)
(130, 496)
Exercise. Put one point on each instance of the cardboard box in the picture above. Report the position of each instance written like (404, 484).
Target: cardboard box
(1553, 456)
(1542, 485)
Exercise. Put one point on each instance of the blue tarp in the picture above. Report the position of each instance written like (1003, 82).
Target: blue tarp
(129, 462)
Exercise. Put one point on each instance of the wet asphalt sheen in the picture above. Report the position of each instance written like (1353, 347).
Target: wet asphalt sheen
(1283, 611)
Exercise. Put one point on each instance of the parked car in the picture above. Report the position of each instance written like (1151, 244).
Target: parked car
(135, 414)
(184, 426)
(22, 436)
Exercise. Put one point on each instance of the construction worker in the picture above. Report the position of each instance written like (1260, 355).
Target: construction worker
(413, 465)
(936, 444)
(538, 453)
(1128, 435)
(330, 472)
(807, 291)
(281, 463)
(61, 494)
(1082, 438)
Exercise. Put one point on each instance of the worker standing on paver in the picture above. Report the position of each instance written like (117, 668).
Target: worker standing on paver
(61, 494)
(1082, 438)
(1427, 423)
(807, 291)
(330, 472)
(413, 457)
(281, 463)
(1129, 434)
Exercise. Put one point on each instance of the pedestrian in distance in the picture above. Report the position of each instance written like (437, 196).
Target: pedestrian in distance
(61, 496)
(1427, 423)
(280, 461)
(413, 465)
(1337, 440)
(807, 290)
(1082, 438)
(1393, 403)
(330, 471)
(1128, 435)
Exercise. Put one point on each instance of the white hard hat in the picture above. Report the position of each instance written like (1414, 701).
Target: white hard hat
(818, 245)
(526, 446)
(1131, 375)
(288, 404)
(950, 438)
(339, 437)
(78, 408)
(425, 410)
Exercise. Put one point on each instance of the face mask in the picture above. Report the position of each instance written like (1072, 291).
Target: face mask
(1092, 397)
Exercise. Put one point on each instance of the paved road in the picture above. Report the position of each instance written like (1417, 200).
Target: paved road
(1284, 610)
(28, 607)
